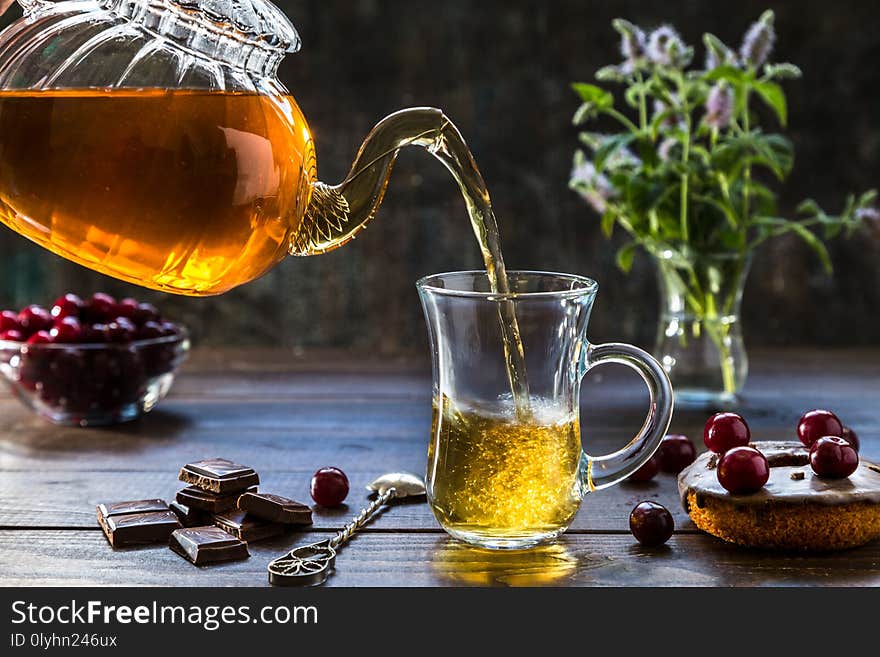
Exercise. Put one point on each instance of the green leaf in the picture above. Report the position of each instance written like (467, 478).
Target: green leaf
(783, 226)
(633, 94)
(783, 71)
(584, 113)
(809, 207)
(772, 151)
(610, 74)
(595, 96)
(608, 220)
(591, 140)
(624, 27)
(724, 208)
(625, 257)
(610, 147)
(815, 243)
(729, 73)
(773, 95)
(867, 198)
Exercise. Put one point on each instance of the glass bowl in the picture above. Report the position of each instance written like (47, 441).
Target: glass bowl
(93, 384)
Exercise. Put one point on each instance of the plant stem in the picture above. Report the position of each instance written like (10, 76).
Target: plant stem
(747, 170)
(685, 179)
(643, 108)
(632, 127)
(685, 156)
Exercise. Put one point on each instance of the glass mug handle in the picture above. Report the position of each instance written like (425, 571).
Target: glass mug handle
(598, 472)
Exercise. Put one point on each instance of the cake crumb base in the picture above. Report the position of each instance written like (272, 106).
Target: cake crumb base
(781, 526)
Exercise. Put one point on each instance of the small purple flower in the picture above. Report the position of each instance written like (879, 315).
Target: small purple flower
(624, 157)
(871, 217)
(672, 119)
(665, 47)
(664, 150)
(595, 188)
(758, 41)
(633, 43)
(719, 106)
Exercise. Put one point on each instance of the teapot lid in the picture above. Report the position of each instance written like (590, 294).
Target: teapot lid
(257, 19)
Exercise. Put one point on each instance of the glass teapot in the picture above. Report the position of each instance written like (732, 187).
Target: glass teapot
(151, 140)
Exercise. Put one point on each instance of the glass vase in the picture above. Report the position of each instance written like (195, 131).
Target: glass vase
(699, 336)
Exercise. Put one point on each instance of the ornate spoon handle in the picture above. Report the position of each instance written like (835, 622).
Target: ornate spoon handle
(362, 519)
(310, 565)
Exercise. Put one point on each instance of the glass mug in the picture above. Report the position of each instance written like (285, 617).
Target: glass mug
(512, 475)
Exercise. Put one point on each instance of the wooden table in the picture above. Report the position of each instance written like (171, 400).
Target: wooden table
(286, 417)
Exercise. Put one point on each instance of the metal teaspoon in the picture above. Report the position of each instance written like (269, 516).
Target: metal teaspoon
(310, 565)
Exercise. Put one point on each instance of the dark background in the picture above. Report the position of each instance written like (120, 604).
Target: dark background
(501, 70)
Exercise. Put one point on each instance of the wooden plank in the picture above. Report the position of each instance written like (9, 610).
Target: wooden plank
(68, 499)
(83, 558)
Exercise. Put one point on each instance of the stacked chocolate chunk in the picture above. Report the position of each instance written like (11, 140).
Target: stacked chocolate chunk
(215, 486)
(224, 494)
(212, 519)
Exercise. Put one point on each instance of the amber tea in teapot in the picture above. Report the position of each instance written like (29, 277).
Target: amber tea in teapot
(151, 140)
(189, 191)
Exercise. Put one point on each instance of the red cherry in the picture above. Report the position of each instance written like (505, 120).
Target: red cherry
(41, 337)
(121, 330)
(67, 329)
(724, 431)
(145, 312)
(100, 307)
(648, 471)
(127, 307)
(818, 423)
(9, 321)
(832, 457)
(851, 437)
(675, 453)
(743, 470)
(329, 486)
(169, 328)
(93, 333)
(35, 318)
(68, 305)
(12, 335)
(651, 524)
(150, 330)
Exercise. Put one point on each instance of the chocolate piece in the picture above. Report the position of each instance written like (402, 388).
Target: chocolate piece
(275, 508)
(203, 545)
(137, 523)
(204, 500)
(188, 516)
(219, 475)
(247, 527)
(797, 476)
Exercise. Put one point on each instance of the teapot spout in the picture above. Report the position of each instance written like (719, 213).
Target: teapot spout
(337, 213)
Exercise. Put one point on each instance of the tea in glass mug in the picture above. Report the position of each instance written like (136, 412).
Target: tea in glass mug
(512, 475)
